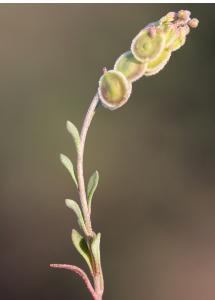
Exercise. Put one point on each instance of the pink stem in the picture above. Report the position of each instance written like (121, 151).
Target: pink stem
(80, 156)
(81, 273)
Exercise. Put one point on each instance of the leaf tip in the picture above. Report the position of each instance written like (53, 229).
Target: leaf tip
(62, 157)
(68, 123)
(67, 202)
(74, 235)
(70, 127)
(73, 231)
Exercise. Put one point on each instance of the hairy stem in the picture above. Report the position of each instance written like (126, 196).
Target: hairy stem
(97, 290)
(80, 172)
(98, 279)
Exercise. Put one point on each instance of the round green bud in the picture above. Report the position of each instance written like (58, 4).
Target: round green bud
(148, 44)
(159, 63)
(114, 89)
(130, 66)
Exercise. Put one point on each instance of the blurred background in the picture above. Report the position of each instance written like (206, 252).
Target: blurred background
(156, 155)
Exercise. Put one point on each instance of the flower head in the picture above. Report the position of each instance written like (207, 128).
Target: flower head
(150, 51)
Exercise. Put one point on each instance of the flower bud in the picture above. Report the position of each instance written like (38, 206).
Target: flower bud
(148, 44)
(159, 63)
(114, 89)
(184, 14)
(193, 23)
(130, 66)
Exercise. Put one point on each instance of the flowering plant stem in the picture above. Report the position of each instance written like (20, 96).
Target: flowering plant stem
(149, 53)
(82, 190)
(97, 290)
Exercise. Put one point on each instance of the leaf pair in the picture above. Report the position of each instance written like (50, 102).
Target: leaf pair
(82, 247)
(92, 185)
(94, 263)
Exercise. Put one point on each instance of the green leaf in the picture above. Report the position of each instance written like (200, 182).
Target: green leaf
(95, 246)
(92, 185)
(74, 133)
(69, 166)
(81, 246)
(75, 207)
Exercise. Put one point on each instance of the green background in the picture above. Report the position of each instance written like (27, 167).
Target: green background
(156, 155)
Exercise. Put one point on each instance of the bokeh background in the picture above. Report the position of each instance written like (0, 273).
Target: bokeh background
(155, 204)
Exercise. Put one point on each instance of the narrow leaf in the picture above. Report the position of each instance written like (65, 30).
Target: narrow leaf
(74, 133)
(81, 246)
(75, 207)
(92, 185)
(95, 246)
(69, 166)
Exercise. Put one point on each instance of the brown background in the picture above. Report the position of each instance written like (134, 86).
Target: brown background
(155, 202)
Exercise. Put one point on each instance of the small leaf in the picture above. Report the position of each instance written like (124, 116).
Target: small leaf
(95, 247)
(69, 166)
(81, 246)
(74, 133)
(92, 185)
(75, 207)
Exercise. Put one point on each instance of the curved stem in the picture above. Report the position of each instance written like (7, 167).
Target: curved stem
(80, 172)
(81, 273)
(97, 291)
(98, 278)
